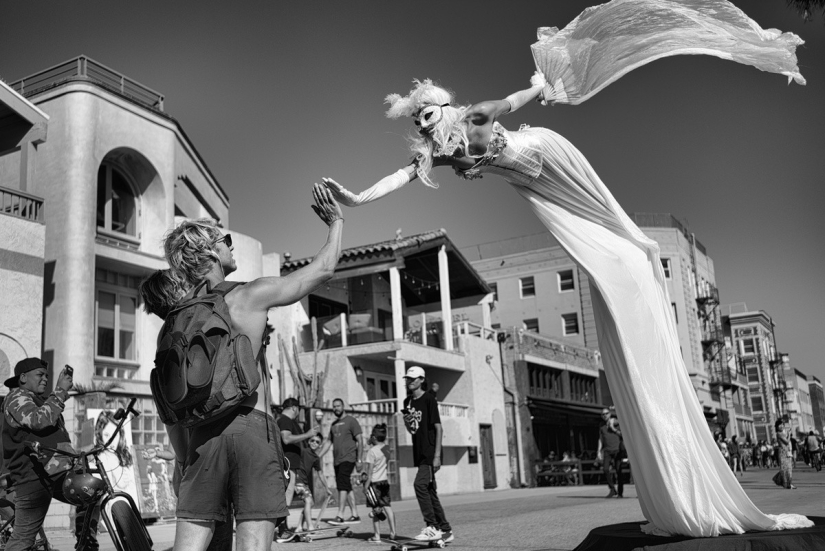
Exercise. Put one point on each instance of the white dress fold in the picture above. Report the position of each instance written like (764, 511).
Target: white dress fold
(606, 42)
(694, 494)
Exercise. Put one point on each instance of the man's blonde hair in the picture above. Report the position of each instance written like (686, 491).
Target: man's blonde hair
(190, 248)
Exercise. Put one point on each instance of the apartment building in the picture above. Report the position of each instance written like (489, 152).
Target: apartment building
(798, 404)
(539, 289)
(23, 129)
(392, 305)
(817, 404)
(750, 337)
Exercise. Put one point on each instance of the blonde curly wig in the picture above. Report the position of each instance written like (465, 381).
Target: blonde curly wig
(448, 136)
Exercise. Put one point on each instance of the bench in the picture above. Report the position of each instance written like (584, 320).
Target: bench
(584, 471)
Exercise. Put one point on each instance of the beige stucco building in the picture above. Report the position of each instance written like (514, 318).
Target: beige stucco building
(114, 174)
(24, 130)
(383, 312)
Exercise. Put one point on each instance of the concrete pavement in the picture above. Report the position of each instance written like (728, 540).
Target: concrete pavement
(536, 519)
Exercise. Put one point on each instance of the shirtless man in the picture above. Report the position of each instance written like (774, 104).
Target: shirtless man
(237, 459)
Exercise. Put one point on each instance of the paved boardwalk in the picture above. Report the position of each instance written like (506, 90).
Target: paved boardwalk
(532, 519)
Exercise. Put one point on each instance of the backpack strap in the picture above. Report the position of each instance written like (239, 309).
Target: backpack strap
(224, 287)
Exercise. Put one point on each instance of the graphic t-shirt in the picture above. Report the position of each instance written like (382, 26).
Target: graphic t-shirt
(425, 417)
(291, 451)
(379, 456)
(344, 434)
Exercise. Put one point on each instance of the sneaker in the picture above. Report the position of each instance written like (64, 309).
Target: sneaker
(286, 536)
(353, 520)
(374, 540)
(429, 533)
(336, 521)
(448, 536)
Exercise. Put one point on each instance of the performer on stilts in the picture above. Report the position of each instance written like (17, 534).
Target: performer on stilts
(693, 494)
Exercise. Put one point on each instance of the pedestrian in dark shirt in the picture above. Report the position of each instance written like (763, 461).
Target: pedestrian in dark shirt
(423, 421)
(610, 452)
(293, 438)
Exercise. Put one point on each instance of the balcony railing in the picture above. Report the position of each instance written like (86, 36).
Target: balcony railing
(360, 328)
(83, 68)
(21, 205)
(390, 405)
(453, 410)
(377, 406)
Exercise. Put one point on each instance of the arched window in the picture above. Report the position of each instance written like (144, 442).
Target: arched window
(116, 201)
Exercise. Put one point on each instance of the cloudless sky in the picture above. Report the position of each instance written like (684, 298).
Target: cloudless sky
(276, 95)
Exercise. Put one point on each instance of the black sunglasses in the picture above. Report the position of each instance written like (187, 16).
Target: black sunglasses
(227, 238)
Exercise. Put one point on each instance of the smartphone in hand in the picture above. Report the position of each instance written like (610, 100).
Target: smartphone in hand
(69, 370)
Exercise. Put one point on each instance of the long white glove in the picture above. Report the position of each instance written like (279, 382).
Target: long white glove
(519, 99)
(383, 187)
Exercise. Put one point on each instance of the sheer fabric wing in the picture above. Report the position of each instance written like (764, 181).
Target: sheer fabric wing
(605, 42)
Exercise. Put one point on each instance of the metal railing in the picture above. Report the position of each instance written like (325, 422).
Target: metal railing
(389, 405)
(21, 205)
(84, 68)
(453, 410)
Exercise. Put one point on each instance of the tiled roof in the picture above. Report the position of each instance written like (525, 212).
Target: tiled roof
(391, 246)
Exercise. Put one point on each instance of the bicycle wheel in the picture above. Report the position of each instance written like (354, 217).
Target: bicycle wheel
(129, 527)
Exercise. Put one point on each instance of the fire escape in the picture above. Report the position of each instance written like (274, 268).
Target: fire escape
(714, 352)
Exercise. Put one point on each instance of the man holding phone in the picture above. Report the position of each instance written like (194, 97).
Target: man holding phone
(31, 416)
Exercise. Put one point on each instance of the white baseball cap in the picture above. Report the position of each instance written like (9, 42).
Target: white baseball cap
(415, 372)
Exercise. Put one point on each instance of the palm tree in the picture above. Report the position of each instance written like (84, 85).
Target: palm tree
(806, 8)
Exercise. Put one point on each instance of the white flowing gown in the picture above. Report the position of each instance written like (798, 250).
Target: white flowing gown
(694, 494)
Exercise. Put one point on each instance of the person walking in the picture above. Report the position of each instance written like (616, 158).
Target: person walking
(610, 453)
(423, 421)
(735, 455)
(347, 452)
(784, 477)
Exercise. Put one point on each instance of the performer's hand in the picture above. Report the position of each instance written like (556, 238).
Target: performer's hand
(325, 206)
(538, 79)
(341, 194)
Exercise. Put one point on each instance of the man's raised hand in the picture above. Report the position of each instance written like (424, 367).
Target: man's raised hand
(326, 207)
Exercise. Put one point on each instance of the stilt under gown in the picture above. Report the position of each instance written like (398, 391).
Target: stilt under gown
(695, 493)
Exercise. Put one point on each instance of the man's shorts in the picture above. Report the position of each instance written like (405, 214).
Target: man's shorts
(236, 460)
(343, 476)
(302, 489)
(382, 493)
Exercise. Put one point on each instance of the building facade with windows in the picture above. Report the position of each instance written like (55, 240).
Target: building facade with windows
(750, 337)
(23, 129)
(799, 407)
(817, 404)
(557, 305)
(114, 174)
(400, 303)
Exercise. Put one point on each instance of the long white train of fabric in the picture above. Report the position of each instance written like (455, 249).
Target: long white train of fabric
(693, 494)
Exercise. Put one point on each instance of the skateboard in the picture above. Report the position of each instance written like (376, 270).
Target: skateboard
(405, 544)
(308, 535)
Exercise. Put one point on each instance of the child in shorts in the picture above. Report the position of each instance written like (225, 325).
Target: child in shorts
(310, 466)
(376, 461)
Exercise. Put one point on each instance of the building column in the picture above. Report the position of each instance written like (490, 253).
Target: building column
(446, 309)
(395, 297)
(400, 386)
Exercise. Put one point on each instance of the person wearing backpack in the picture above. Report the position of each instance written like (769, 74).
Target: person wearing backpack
(234, 458)
(161, 292)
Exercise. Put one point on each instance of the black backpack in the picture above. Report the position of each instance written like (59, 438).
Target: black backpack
(203, 369)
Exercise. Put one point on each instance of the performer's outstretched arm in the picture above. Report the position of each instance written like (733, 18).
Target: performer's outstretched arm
(384, 187)
(485, 112)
